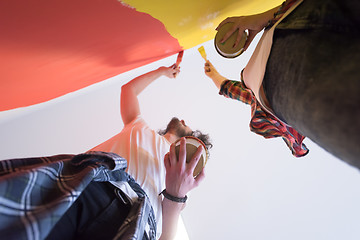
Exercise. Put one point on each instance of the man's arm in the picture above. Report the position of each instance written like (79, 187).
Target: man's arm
(179, 181)
(129, 107)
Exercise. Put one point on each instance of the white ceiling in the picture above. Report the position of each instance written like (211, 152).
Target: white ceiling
(254, 188)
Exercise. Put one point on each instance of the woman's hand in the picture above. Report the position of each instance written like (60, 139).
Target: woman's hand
(212, 73)
(210, 70)
(253, 23)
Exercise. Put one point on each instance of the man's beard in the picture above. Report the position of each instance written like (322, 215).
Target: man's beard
(175, 126)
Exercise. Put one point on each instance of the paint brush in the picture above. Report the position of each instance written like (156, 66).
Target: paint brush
(202, 52)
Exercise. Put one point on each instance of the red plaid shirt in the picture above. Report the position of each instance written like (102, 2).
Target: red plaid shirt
(262, 122)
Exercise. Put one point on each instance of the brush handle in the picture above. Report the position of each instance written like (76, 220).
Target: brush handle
(202, 52)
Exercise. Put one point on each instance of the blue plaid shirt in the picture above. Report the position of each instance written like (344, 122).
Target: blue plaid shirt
(36, 192)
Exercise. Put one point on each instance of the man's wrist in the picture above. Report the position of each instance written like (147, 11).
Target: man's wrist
(160, 70)
(173, 198)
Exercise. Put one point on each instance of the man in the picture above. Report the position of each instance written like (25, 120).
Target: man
(70, 196)
(90, 196)
(145, 150)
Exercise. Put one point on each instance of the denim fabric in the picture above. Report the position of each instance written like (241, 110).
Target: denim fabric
(97, 214)
(311, 77)
(101, 211)
(337, 15)
(142, 207)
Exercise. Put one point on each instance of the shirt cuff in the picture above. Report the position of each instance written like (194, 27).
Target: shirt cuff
(223, 87)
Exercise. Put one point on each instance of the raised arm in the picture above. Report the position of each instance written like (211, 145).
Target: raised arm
(129, 107)
(179, 181)
(231, 89)
(212, 73)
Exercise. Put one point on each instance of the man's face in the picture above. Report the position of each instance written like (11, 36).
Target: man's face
(179, 128)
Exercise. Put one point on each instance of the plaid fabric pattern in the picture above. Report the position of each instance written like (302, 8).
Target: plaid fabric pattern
(284, 7)
(36, 192)
(262, 122)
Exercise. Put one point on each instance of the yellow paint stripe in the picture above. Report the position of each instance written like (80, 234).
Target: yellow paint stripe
(194, 22)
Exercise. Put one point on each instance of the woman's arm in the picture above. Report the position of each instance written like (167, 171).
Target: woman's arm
(212, 73)
(230, 89)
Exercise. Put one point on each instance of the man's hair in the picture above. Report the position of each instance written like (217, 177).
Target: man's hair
(197, 133)
(203, 137)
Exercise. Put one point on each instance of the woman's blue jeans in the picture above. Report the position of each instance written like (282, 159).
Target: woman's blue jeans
(312, 76)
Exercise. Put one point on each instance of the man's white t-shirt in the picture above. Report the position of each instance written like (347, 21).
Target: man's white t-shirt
(144, 150)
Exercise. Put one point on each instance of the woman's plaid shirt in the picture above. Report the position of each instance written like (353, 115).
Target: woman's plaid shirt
(262, 122)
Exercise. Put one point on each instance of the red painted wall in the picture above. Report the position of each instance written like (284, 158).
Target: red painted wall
(50, 48)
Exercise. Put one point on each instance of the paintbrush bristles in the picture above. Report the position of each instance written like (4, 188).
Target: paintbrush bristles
(202, 52)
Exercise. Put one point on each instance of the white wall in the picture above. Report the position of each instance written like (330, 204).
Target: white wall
(254, 189)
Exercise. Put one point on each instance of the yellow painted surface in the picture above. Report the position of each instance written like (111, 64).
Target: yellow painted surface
(193, 22)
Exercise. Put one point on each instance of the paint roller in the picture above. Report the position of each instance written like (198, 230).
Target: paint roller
(179, 59)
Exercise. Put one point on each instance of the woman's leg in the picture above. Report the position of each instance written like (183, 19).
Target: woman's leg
(312, 80)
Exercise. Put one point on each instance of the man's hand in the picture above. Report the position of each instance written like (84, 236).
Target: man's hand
(179, 173)
(179, 181)
(170, 72)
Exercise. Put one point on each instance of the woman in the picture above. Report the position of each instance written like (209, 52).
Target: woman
(302, 74)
